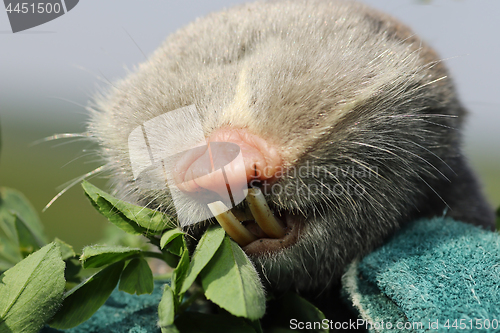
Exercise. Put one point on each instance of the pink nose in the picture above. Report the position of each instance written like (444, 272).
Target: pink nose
(218, 164)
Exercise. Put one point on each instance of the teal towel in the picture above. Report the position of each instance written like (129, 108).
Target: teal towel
(435, 275)
(432, 276)
(123, 313)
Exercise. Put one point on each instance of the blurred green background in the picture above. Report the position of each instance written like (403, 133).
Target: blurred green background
(47, 72)
(37, 170)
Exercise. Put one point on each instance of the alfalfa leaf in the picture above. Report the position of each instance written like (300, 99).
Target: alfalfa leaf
(81, 302)
(231, 281)
(16, 211)
(169, 236)
(32, 291)
(137, 278)
(179, 274)
(205, 250)
(27, 239)
(9, 244)
(150, 221)
(166, 311)
(67, 251)
(99, 255)
(173, 241)
(16, 203)
(112, 214)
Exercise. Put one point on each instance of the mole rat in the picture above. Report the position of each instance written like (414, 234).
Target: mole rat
(348, 124)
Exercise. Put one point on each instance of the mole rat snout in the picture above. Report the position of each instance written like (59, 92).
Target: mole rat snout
(228, 165)
(232, 156)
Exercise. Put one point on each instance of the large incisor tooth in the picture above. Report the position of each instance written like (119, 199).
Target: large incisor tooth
(230, 223)
(263, 214)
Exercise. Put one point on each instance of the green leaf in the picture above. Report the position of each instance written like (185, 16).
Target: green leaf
(32, 291)
(15, 210)
(81, 302)
(137, 278)
(27, 239)
(174, 241)
(205, 250)
(9, 243)
(150, 221)
(177, 246)
(179, 274)
(292, 306)
(117, 218)
(231, 282)
(66, 249)
(166, 311)
(114, 216)
(195, 322)
(100, 255)
(169, 236)
(15, 202)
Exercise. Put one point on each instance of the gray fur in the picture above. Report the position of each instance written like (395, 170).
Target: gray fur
(333, 84)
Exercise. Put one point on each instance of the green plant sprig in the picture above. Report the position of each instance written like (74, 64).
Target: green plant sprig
(218, 271)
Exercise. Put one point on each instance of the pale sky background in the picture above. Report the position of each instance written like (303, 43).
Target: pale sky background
(45, 72)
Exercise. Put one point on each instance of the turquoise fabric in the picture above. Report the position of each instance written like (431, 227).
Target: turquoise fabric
(437, 272)
(441, 273)
(123, 313)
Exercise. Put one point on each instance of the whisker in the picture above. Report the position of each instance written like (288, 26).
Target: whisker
(427, 115)
(77, 158)
(100, 77)
(133, 40)
(68, 101)
(73, 183)
(72, 141)
(376, 147)
(62, 136)
(433, 190)
(144, 206)
(99, 160)
(431, 82)
(421, 158)
(108, 81)
(434, 154)
(366, 166)
(437, 124)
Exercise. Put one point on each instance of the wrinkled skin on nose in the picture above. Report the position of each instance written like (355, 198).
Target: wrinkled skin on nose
(232, 157)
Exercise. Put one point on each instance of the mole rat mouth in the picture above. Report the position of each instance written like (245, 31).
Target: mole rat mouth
(257, 229)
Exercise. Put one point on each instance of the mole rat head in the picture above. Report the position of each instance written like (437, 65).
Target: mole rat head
(336, 115)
